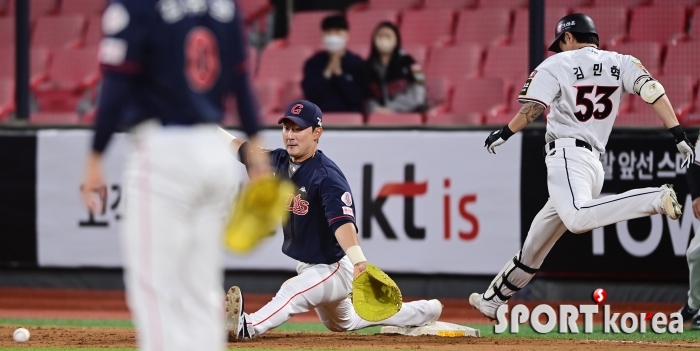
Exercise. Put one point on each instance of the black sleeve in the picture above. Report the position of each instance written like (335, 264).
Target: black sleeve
(240, 83)
(313, 83)
(351, 90)
(693, 177)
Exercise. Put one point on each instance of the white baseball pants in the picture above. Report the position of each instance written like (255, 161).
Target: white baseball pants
(325, 288)
(179, 181)
(693, 256)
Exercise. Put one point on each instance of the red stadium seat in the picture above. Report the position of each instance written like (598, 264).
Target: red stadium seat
(472, 23)
(7, 31)
(5, 7)
(694, 32)
(7, 97)
(679, 90)
(342, 119)
(283, 64)
(454, 119)
(84, 7)
(254, 9)
(438, 90)
(39, 59)
(58, 32)
(508, 4)
(448, 4)
(417, 51)
(414, 30)
(641, 28)
(684, 3)
(692, 119)
(270, 119)
(93, 34)
(361, 50)
(611, 22)
(508, 63)
(54, 118)
(362, 24)
(267, 92)
(566, 3)
(38, 8)
(71, 74)
(620, 3)
(521, 26)
(392, 4)
(305, 28)
(455, 62)
(647, 52)
(291, 91)
(645, 118)
(252, 60)
(681, 59)
(395, 119)
(483, 95)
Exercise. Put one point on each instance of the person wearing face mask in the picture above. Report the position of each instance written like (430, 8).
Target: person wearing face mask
(395, 80)
(332, 77)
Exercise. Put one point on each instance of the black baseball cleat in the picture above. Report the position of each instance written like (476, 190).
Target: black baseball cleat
(696, 323)
(688, 314)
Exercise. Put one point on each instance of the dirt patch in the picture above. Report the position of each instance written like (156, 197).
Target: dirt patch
(72, 337)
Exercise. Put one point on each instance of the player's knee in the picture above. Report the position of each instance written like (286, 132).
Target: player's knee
(334, 326)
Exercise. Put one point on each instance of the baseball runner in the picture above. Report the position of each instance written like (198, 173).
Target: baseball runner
(321, 234)
(167, 65)
(689, 312)
(583, 85)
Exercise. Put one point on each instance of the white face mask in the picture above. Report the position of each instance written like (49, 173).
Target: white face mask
(334, 42)
(385, 45)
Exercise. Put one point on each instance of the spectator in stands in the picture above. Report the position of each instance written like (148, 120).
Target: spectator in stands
(395, 80)
(332, 78)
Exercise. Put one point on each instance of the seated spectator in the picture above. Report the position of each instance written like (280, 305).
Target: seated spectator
(332, 78)
(395, 80)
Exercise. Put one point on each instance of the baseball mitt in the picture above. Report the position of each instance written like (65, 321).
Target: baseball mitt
(258, 211)
(375, 296)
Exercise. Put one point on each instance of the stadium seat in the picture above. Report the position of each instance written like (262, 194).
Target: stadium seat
(439, 32)
(39, 59)
(507, 4)
(93, 34)
(438, 91)
(5, 7)
(483, 95)
(684, 3)
(84, 7)
(270, 119)
(620, 3)
(611, 22)
(521, 25)
(267, 91)
(58, 32)
(670, 23)
(395, 119)
(7, 31)
(305, 28)
(455, 62)
(645, 118)
(454, 119)
(71, 74)
(508, 63)
(692, 119)
(361, 50)
(342, 119)
(647, 52)
(448, 4)
(417, 51)
(38, 8)
(682, 59)
(54, 118)
(362, 24)
(694, 31)
(7, 97)
(252, 60)
(392, 4)
(679, 90)
(291, 91)
(566, 3)
(254, 9)
(471, 24)
(284, 64)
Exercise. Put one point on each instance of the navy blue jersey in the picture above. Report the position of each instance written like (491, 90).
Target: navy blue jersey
(172, 60)
(322, 203)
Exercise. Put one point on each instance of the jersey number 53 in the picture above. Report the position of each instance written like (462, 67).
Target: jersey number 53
(583, 98)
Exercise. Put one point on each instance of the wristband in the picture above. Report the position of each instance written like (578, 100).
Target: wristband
(355, 254)
(506, 133)
(678, 133)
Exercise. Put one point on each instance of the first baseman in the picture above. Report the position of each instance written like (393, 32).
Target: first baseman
(167, 65)
(583, 85)
(321, 235)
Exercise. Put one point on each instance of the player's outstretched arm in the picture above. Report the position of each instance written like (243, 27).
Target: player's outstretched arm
(257, 163)
(347, 238)
(527, 114)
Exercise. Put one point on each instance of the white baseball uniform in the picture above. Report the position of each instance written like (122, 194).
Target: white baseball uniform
(693, 253)
(584, 88)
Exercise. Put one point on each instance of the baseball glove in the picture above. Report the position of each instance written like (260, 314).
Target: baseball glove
(258, 211)
(374, 295)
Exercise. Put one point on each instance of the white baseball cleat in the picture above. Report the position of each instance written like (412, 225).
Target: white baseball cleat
(486, 307)
(236, 324)
(669, 202)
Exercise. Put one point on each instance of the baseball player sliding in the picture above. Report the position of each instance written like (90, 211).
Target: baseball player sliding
(321, 234)
(583, 85)
(167, 65)
(689, 312)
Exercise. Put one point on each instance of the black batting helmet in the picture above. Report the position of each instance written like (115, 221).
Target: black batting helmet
(575, 23)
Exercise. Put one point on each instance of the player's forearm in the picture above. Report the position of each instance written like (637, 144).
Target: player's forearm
(527, 114)
(347, 238)
(116, 88)
(233, 142)
(664, 110)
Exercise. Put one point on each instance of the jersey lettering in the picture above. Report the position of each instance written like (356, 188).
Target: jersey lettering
(202, 65)
(296, 205)
(615, 72)
(598, 69)
(578, 72)
(589, 110)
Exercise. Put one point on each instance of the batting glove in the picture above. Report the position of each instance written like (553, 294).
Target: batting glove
(684, 146)
(497, 138)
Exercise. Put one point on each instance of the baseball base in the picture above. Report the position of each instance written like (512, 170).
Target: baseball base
(434, 328)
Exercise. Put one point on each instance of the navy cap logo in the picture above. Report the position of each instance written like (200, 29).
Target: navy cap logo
(296, 109)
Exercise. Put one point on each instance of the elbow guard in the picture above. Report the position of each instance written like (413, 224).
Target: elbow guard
(649, 89)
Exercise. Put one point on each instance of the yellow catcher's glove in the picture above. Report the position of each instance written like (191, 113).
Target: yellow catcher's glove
(374, 295)
(258, 211)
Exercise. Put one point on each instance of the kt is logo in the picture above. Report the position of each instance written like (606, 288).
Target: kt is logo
(410, 189)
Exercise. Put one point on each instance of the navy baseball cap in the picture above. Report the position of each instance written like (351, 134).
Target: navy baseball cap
(303, 113)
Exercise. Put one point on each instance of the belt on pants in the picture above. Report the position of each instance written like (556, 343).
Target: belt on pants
(566, 142)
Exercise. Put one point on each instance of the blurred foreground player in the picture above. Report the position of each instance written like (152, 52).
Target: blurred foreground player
(584, 86)
(320, 234)
(691, 308)
(167, 65)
